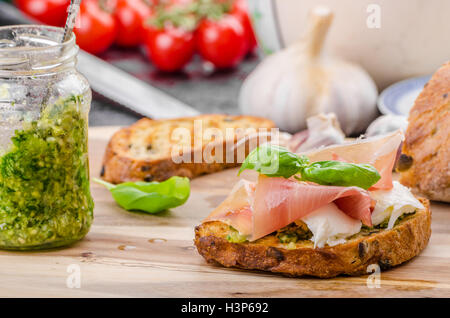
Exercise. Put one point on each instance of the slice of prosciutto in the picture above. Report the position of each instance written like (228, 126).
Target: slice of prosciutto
(380, 151)
(278, 202)
(236, 209)
(257, 210)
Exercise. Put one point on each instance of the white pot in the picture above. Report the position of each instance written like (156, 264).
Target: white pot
(410, 38)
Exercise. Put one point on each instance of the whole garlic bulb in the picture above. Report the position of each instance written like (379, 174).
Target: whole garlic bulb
(299, 82)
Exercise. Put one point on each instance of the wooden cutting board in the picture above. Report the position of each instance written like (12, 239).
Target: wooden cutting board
(141, 255)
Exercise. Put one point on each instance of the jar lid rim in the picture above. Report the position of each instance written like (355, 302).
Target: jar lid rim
(34, 49)
(55, 30)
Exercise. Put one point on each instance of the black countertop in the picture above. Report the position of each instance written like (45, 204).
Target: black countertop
(205, 90)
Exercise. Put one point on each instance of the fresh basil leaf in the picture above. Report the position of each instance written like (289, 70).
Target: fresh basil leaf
(151, 197)
(341, 174)
(274, 161)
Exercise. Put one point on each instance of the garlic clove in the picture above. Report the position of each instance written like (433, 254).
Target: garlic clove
(386, 124)
(323, 130)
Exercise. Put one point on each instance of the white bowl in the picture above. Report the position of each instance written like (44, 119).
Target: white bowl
(412, 38)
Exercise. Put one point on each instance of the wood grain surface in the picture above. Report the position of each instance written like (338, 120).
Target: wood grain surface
(129, 254)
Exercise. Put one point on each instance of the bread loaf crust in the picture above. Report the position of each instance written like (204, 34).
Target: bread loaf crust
(427, 140)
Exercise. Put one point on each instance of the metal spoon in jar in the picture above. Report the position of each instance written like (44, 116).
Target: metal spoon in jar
(72, 10)
(70, 21)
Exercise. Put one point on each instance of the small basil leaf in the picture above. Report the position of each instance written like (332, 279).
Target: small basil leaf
(341, 174)
(274, 161)
(152, 197)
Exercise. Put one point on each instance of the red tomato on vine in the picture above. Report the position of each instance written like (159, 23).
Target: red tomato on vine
(51, 12)
(222, 42)
(131, 16)
(169, 48)
(96, 27)
(240, 10)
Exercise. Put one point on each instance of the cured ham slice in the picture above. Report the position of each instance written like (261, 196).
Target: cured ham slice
(258, 210)
(279, 202)
(380, 151)
(236, 209)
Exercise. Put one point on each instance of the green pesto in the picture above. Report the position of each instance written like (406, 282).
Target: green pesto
(235, 237)
(287, 237)
(294, 233)
(367, 230)
(385, 223)
(45, 199)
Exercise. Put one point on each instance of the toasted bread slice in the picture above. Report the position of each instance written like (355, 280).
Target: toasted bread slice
(144, 150)
(424, 164)
(386, 248)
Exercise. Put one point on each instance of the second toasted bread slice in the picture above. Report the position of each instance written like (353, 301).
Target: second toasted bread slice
(145, 150)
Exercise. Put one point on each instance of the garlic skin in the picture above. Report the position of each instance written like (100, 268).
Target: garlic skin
(323, 130)
(299, 82)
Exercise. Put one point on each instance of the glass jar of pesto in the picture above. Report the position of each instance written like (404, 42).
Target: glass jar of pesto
(45, 199)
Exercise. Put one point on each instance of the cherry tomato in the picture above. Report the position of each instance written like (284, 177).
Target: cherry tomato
(131, 16)
(171, 48)
(240, 10)
(52, 12)
(170, 3)
(96, 27)
(222, 42)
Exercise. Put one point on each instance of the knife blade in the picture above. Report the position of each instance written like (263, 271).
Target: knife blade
(113, 83)
(129, 91)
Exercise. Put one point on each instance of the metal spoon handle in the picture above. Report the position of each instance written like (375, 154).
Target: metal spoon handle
(73, 10)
